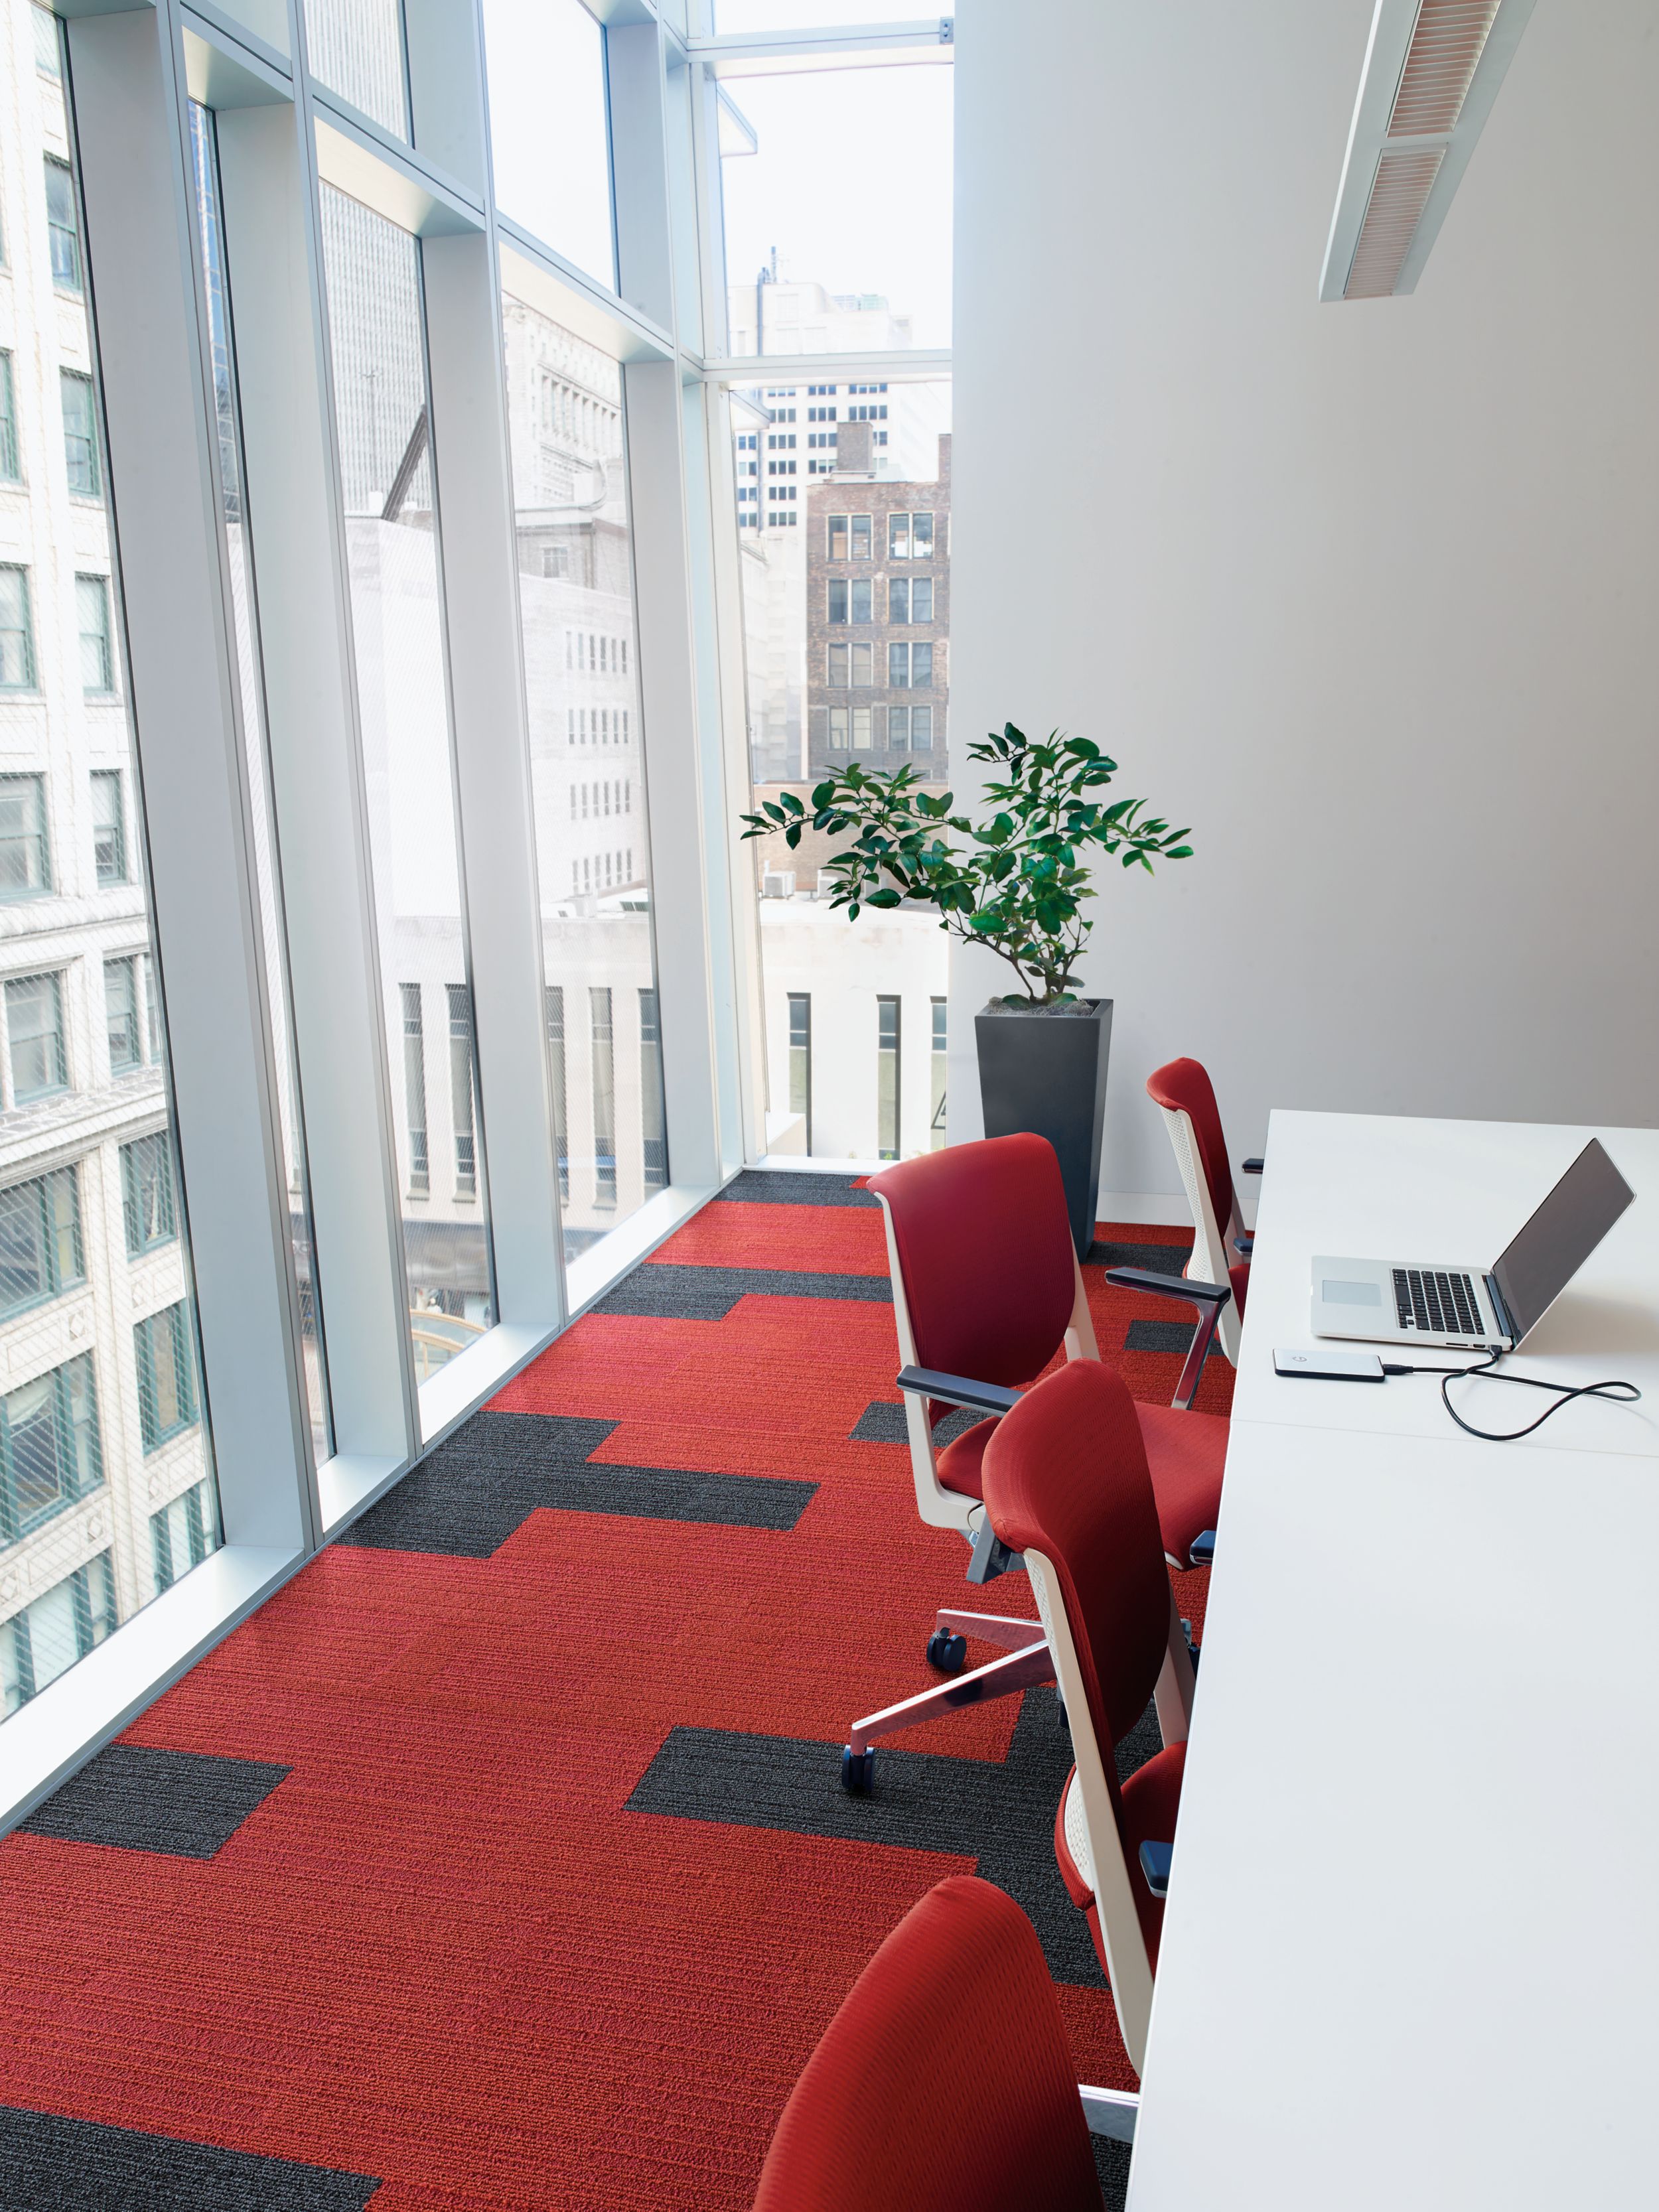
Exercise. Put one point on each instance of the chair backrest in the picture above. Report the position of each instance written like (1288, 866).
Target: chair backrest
(945, 2083)
(1067, 1484)
(983, 1245)
(1184, 1091)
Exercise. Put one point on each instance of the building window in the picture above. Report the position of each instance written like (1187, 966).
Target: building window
(801, 1059)
(921, 729)
(41, 1247)
(554, 1001)
(863, 591)
(121, 1014)
(604, 1097)
(860, 537)
(909, 667)
(47, 1638)
(936, 1076)
(49, 1453)
(109, 826)
(97, 649)
(166, 1376)
(10, 465)
(863, 729)
(16, 631)
(152, 1009)
(47, 57)
(887, 1078)
(898, 729)
(838, 729)
(420, 1174)
(148, 1206)
(910, 599)
(921, 599)
(921, 536)
(462, 1104)
(35, 1028)
(838, 667)
(80, 434)
(898, 668)
(653, 1121)
(863, 666)
(25, 859)
(898, 537)
(898, 599)
(837, 598)
(182, 1534)
(838, 537)
(64, 225)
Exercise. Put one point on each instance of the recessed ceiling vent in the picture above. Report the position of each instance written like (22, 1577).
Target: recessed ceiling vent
(1432, 71)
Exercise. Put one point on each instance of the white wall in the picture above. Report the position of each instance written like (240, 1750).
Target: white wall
(1365, 592)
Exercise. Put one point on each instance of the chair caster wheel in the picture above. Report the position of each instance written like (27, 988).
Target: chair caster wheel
(947, 1652)
(858, 1772)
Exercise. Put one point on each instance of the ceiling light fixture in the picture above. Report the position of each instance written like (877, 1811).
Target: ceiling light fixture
(1432, 71)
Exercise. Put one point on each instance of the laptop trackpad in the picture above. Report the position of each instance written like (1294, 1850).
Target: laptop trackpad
(1350, 1294)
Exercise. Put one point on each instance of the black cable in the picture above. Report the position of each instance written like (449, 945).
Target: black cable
(1621, 1394)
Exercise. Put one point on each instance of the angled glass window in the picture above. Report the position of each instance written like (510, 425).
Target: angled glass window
(25, 856)
(42, 1253)
(16, 631)
(11, 467)
(80, 434)
(393, 541)
(166, 1376)
(566, 424)
(549, 132)
(356, 49)
(63, 226)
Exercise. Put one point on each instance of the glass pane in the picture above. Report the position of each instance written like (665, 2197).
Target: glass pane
(267, 869)
(587, 747)
(818, 258)
(808, 15)
(356, 49)
(83, 1078)
(846, 619)
(375, 313)
(549, 138)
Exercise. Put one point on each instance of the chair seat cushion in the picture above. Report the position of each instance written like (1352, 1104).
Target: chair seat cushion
(1185, 1453)
(959, 1463)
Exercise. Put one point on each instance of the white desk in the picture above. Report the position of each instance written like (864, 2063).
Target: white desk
(1411, 1955)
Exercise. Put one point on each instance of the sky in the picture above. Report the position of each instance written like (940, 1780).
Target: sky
(852, 182)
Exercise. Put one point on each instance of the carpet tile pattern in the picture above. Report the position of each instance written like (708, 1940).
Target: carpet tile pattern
(136, 1797)
(559, 1891)
(76, 2165)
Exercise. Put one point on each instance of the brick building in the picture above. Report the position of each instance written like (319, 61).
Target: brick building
(877, 613)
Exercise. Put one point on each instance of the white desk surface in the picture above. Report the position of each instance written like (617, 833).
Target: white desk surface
(1411, 1948)
(1367, 1186)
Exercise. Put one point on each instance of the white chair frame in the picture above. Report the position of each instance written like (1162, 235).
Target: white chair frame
(1213, 1249)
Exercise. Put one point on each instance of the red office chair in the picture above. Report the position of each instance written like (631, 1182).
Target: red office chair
(987, 1289)
(878, 2122)
(1184, 1091)
(1066, 1485)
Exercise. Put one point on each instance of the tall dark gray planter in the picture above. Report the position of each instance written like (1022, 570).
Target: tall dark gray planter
(1043, 1069)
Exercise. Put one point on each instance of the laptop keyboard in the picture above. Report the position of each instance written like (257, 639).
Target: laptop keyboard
(1426, 1298)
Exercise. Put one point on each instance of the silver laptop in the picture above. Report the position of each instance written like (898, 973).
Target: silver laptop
(1475, 1308)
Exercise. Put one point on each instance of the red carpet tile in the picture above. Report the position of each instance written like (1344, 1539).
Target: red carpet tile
(442, 1951)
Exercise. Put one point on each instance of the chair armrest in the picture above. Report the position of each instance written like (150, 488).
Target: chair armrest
(1245, 1245)
(1171, 1286)
(1202, 1553)
(1253, 1167)
(957, 1390)
(1155, 1861)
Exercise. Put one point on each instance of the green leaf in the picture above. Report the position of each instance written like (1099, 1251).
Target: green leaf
(884, 898)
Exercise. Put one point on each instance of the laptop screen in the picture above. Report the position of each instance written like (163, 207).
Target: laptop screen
(1547, 1253)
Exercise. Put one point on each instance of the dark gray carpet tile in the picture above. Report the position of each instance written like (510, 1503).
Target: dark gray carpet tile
(1166, 1336)
(188, 1804)
(881, 1423)
(662, 1290)
(1112, 2165)
(1000, 1814)
(778, 1186)
(469, 1496)
(49, 2164)
(1162, 1258)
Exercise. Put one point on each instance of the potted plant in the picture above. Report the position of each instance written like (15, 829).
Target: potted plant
(1015, 882)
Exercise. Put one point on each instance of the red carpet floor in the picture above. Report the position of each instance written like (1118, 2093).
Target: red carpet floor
(443, 1951)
